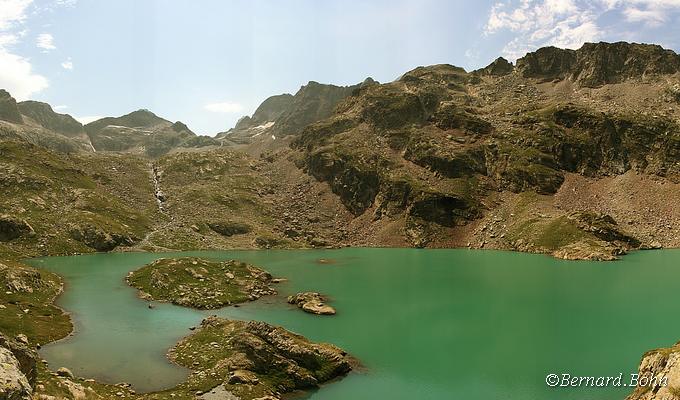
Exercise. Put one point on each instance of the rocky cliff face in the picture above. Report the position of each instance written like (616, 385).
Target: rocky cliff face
(285, 114)
(596, 64)
(8, 108)
(19, 371)
(660, 370)
(440, 157)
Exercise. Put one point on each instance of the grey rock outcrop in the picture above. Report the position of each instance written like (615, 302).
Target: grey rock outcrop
(311, 302)
(8, 108)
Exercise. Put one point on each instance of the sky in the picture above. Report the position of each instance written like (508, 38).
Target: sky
(209, 62)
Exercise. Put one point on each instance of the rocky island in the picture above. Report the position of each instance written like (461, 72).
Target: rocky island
(199, 283)
(254, 360)
(311, 302)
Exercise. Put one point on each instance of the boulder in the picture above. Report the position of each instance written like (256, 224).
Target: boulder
(13, 228)
(65, 372)
(312, 303)
(242, 376)
(13, 383)
(26, 363)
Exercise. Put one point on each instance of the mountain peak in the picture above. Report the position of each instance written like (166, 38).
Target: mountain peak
(595, 64)
(43, 114)
(498, 67)
(8, 108)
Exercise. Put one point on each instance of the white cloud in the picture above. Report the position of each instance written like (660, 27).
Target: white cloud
(225, 107)
(87, 119)
(649, 16)
(16, 72)
(45, 41)
(68, 64)
(12, 12)
(567, 23)
(17, 77)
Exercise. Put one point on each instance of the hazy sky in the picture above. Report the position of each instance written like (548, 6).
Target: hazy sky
(207, 62)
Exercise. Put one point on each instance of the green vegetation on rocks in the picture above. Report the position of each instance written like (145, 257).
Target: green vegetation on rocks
(254, 359)
(198, 283)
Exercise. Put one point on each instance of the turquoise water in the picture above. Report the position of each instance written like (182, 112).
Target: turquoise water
(427, 324)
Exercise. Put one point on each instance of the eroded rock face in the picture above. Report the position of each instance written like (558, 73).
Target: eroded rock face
(311, 302)
(99, 239)
(8, 108)
(13, 228)
(604, 227)
(661, 367)
(596, 64)
(13, 383)
(18, 371)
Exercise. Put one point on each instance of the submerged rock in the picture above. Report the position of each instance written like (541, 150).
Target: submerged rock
(312, 303)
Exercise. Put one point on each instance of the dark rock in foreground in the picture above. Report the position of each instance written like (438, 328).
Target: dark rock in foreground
(13, 228)
(19, 372)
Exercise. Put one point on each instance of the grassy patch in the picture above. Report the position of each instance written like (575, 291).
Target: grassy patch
(199, 283)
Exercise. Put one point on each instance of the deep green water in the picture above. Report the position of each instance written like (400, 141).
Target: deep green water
(427, 324)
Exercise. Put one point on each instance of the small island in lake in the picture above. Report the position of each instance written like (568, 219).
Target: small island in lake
(199, 283)
(254, 360)
(311, 302)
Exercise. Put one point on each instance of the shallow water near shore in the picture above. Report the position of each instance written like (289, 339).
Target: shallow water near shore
(426, 324)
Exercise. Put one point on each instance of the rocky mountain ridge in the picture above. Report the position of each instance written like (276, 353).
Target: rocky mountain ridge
(574, 153)
(286, 114)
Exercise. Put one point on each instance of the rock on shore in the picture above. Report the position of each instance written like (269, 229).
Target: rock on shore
(657, 365)
(18, 370)
(311, 302)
